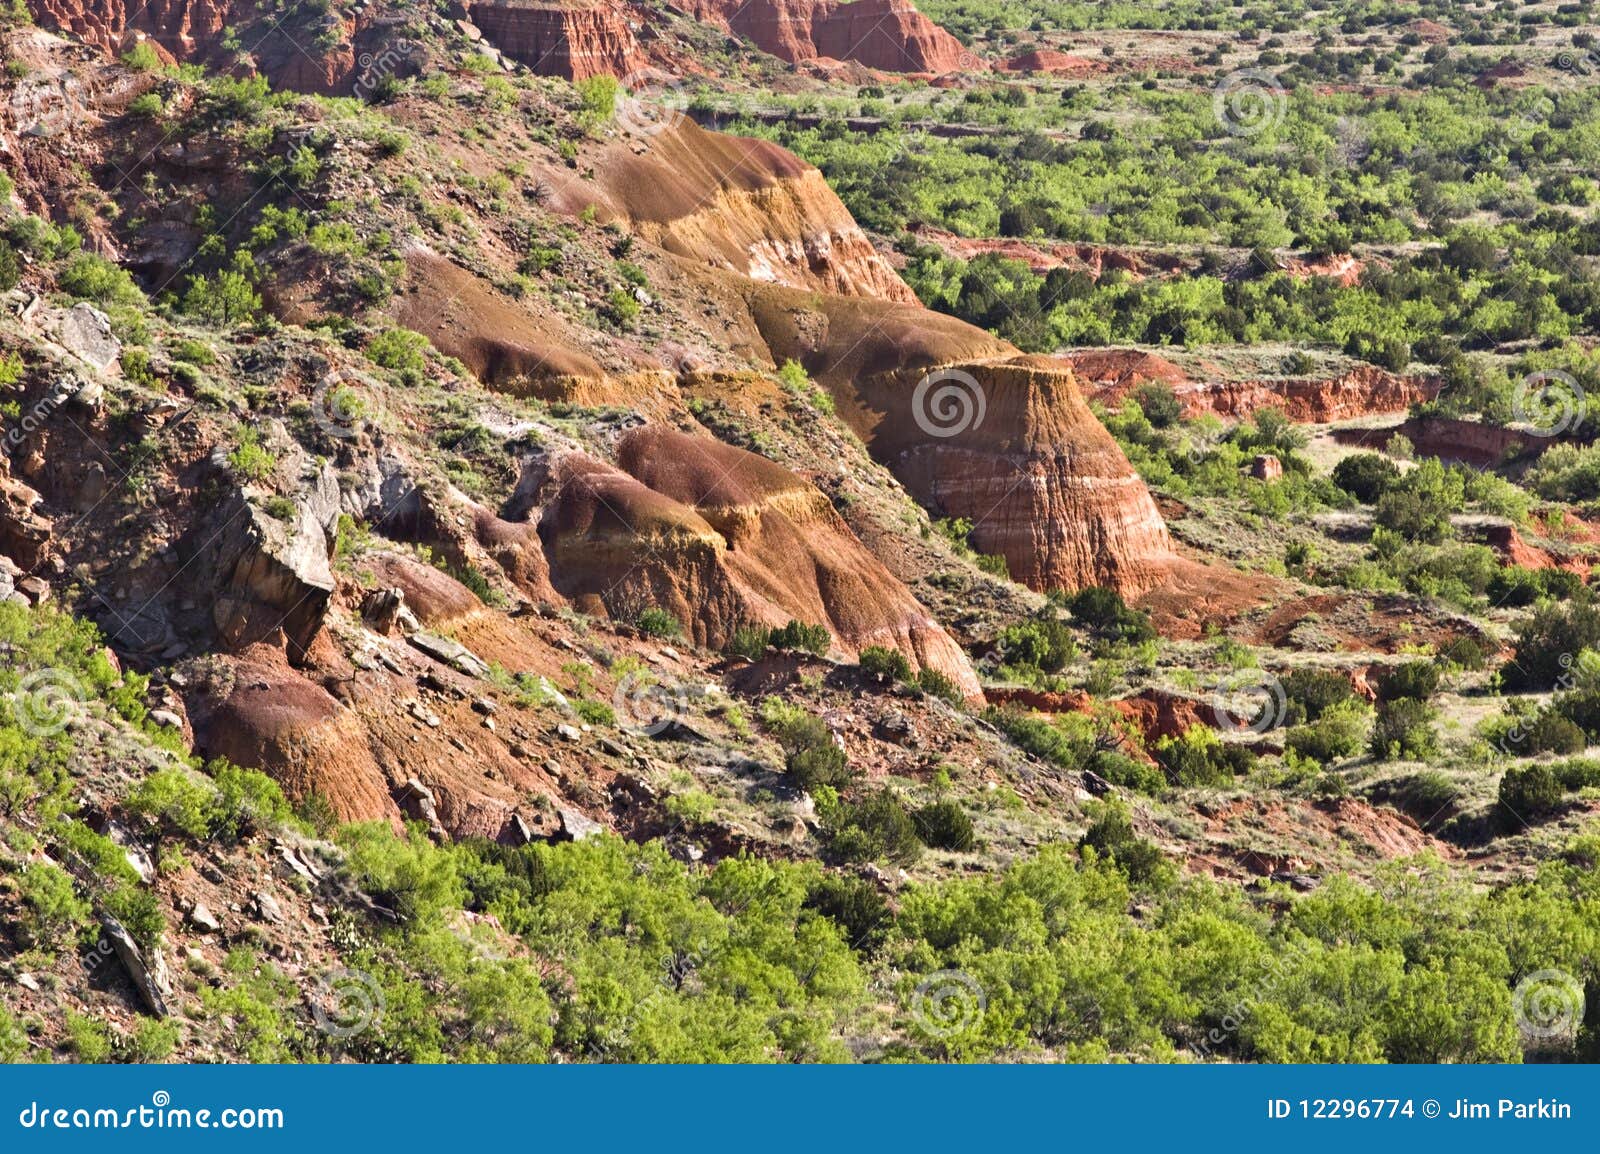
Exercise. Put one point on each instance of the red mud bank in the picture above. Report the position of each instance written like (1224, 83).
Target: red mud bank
(1110, 375)
(1453, 439)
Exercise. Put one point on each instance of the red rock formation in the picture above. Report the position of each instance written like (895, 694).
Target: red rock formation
(185, 28)
(747, 206)
(975, 429)
(1453, 439)
(574, 40)
(1361, 391)
(890, 35)
(293, 53)
(1048, 60)
(1513, 550)
(720, 537)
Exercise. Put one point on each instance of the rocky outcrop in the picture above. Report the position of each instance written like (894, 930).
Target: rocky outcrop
(1362, 390)
(573, 40)
(1453, 439)
(746, 206)
(719, 538)
(257, 711)
(1051, 62)
(274, 575)
(186, 29)
(1043, 483)
(889, 35)
(975, 429)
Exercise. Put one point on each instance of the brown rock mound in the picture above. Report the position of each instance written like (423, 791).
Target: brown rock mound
(720, 537)
(746, 206)
(261, 713)
(890, 35)
(503, 345)
(436, 598)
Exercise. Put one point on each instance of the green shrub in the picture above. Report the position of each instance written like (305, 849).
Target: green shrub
(1104, 611)
(1582, 708)
(884, 664)
(820, 763)
(52, 907)
(1552, 733)
(750, 641)
(1128, 772)
(654, 622)
(246, 801)
(1044, 643)
(143, 57)
(945, 825)
(1339, 733)
(1549, 643)
(1528, 793)
(1309, 693)
(855, 905)
(222, 301)
(1198, 757)
(808, 638)
(10, 267)
(1414, 679)
(1111, 837)
(175, 801)
(250, 459)
(1366, 476)
(1579, 773)
(877, 828)
(399, 350)
(936, 684)
(94, 278)
(1159, 404)
(1404, 729)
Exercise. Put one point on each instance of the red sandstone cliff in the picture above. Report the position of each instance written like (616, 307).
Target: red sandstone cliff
(185, 28)
(890, 35)
(572, 40)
